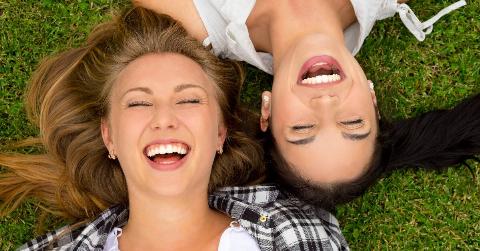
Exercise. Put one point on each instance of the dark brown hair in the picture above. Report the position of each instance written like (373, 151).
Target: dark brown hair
(434, 140)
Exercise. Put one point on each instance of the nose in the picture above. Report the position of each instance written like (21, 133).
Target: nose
(324, 101)
(325, 107)
(164, 118)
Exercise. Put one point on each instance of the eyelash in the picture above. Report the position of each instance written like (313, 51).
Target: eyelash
(301, 127)
(189, 101)
(352, 124)
(139, 103)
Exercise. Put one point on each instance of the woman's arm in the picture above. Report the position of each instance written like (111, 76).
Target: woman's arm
(186, 13)
(183, 11)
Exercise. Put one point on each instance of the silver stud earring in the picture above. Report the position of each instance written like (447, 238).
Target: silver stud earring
(266, 99)
(220, 151)
(370, 83)
(111, 156)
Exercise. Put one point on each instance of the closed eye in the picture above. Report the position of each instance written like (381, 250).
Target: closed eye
(352, 124)
(189, 101)
(138, 103)
(302, 128)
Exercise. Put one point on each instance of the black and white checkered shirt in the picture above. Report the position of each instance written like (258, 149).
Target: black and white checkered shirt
(275, 219)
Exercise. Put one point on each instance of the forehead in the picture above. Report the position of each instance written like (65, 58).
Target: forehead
(337, 164)
(162, 70)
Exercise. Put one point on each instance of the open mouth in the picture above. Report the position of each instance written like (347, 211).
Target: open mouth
(166, 154)
(320, 70)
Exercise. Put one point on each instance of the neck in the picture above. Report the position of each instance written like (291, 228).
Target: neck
(275, 27)
(178, 223)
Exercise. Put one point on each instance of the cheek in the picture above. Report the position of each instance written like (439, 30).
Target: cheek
(127, 126)
(286, 113)
(203, 123)
(362, 102)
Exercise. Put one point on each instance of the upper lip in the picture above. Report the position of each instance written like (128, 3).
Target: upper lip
(320, 59)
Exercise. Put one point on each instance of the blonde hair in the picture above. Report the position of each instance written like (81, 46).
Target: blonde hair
(69, 95)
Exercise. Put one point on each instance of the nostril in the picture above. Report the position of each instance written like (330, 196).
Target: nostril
(325, 100)
(155, 125)
(326, 97)
(164, 119)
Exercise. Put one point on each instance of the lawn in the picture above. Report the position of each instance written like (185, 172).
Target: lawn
(408, 210)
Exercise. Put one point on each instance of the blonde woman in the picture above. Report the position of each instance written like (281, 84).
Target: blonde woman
(141, 135)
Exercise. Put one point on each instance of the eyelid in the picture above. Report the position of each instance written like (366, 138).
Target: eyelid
(139, 103)
(190, 101)
(352, 124)
(297, 127)
(303, 128)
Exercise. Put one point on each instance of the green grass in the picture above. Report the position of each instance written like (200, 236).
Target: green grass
(408, 210)
(420, 210)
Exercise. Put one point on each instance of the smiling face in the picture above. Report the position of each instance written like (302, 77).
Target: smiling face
(164, 125)
(323, 115)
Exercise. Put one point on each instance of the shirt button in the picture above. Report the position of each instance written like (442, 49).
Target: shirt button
(263, 218)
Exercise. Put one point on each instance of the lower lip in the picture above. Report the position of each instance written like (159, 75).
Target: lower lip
(320, 59)
(167, 166)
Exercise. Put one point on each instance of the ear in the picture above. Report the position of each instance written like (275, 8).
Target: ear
(372, 93)
(374, 98)
(265, 110)
(106, 136)
(222, 135)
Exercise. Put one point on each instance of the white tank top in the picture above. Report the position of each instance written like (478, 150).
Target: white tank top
(225, 22)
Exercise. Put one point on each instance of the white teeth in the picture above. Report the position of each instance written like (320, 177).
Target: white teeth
(321, 79)
(166, 148)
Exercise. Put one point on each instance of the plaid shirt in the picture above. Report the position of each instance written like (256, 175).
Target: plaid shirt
(274, 218)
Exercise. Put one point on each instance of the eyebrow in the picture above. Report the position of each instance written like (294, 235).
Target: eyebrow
(302, 141)
(140, 89)
(355, 137)
(182, 87)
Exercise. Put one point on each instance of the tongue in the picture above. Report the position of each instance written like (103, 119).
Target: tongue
(167, 158)
(318, 70)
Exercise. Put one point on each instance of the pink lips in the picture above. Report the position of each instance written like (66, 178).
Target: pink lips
(166, 165)
(320, 59)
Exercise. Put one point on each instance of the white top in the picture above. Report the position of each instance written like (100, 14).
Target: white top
(225, 22)
(234, 238)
